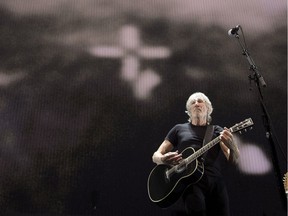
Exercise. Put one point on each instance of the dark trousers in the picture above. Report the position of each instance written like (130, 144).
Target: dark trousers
(208, 197)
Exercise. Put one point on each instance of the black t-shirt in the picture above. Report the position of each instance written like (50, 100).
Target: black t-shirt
(187, 135)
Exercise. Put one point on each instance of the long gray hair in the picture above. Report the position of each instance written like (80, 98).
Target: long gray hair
(207, 102)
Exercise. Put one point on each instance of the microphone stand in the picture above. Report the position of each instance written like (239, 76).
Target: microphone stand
(260, 82)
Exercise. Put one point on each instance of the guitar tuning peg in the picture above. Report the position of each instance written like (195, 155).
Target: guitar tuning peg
(240, 132)
(251, 128)
(245, 130)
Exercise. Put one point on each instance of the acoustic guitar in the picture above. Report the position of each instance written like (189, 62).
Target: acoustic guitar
(166, 183)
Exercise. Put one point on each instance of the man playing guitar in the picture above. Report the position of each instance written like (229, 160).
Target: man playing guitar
(208, 196)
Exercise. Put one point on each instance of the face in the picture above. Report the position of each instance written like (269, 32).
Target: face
(198, 108)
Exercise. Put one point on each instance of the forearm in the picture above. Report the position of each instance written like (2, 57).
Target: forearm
(229, 145)
(157, 157)
(234, 152)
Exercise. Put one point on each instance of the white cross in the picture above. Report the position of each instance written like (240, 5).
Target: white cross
(131, 51)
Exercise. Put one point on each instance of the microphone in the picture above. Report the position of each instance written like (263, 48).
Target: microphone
(233, 31)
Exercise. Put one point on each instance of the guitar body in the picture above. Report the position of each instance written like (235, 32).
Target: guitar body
(165, 190)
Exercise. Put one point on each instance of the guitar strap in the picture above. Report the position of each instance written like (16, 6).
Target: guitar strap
(207, 138)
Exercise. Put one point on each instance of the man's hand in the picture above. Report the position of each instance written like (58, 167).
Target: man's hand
(171, 158)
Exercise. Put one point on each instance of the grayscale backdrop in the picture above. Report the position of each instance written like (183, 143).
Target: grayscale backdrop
(90, 88)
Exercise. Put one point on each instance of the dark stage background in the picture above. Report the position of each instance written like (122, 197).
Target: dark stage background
(83, 104)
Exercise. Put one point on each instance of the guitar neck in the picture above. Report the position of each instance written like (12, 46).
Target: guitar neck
(238, 127)
(202, 150)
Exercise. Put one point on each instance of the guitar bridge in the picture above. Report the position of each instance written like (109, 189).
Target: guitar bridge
(167, 176)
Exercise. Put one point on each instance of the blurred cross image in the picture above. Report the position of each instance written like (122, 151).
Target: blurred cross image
(130, 52)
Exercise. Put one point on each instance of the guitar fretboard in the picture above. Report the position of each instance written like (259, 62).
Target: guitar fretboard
(202, 150)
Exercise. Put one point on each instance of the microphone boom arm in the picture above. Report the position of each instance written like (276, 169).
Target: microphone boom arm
(257, 77)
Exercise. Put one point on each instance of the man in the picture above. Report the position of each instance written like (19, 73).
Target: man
(208, 196)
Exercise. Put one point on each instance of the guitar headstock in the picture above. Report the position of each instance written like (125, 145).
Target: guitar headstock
(285, 182)
(247, 123)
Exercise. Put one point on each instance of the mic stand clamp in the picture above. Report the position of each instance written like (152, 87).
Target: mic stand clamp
(257, 77)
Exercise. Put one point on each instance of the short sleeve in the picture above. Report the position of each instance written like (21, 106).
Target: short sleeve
(172, 135)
